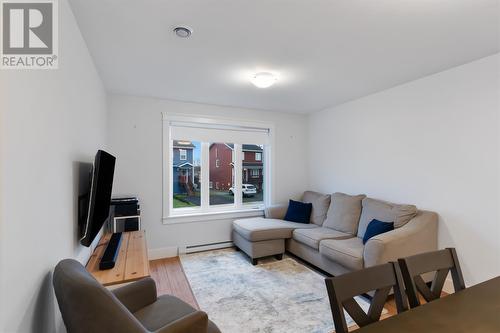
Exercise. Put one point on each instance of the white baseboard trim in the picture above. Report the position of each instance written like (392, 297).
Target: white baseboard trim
(164, 252)
(174, 251)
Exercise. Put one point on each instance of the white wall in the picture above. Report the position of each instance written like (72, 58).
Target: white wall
(433, 142)
(50, 121)
(135, 137)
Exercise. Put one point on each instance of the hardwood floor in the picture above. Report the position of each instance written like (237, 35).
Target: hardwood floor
(171, 279)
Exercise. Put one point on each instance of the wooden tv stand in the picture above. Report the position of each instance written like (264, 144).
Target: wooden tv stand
(132, 262)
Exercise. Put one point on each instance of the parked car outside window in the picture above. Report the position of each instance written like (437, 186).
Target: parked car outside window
(248, 190)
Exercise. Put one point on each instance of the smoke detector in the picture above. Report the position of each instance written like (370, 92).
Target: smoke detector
(182, 32)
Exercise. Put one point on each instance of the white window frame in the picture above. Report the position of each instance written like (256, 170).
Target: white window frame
(260, 157)
(205, 212)
(183, 154)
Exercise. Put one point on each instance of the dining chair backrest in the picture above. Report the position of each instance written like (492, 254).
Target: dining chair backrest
(441, 262)
(343, 288)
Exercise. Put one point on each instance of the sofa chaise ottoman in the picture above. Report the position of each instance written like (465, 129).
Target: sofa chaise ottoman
(262, 237)
(333, 240)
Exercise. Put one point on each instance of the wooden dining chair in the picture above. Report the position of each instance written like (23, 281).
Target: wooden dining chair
(441, 262)
(343, 288)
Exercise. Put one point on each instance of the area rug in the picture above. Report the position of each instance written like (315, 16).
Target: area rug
(274, 296)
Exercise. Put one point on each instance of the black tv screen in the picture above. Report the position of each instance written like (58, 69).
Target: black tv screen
(99, 196)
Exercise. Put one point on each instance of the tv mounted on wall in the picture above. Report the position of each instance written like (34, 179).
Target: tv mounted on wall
(98, 198)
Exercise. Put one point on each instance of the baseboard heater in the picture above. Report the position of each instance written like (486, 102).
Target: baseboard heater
(206, 247)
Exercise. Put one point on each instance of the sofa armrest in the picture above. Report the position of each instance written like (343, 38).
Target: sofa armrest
(137, 295)
(195, 322)
(276, 212)
(417, 236)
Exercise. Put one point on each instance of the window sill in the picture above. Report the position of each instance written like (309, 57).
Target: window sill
(193, 217)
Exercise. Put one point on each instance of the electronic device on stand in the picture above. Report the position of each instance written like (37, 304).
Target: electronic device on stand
(125, 214)
(95, 207)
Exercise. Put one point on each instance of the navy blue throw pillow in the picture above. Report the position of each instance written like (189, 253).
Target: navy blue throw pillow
(298, 212)
(376, 227)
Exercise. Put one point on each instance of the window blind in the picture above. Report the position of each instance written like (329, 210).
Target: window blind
(218, 133)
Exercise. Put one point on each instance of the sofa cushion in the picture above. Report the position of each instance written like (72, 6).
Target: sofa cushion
(344, 212)
(165, 310)
(376, 227)
(258, 228)
(299, 212)
(386, 212)
(320, 203)
(312, 237)
(346, 252)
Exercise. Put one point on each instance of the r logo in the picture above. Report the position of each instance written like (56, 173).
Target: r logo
(27, 28)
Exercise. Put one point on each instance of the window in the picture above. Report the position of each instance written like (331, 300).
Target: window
(221, 171)
(205, 173)
(186, 174)
(253, 175)
(182, 154)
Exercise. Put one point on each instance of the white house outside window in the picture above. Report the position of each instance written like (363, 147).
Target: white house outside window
(213, 167)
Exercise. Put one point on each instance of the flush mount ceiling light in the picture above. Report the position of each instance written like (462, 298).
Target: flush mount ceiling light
(182, 32)
(264, 79)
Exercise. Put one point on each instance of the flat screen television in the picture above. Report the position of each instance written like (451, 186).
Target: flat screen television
(98, 198)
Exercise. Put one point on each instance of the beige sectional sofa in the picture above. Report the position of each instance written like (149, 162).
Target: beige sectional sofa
(333, 240)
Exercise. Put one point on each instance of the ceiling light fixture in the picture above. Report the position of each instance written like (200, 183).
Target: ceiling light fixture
(264, 79)
(183, 32)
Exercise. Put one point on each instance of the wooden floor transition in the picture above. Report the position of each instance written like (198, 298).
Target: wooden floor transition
(171, 279)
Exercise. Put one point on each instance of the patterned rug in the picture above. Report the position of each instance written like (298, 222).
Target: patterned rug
(274, 296)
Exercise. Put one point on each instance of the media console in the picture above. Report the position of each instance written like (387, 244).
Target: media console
(131, 263)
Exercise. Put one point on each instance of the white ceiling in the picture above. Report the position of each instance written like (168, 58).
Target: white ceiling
(325, 52)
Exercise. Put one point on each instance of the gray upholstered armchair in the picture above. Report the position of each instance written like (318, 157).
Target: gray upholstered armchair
(87, 306)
